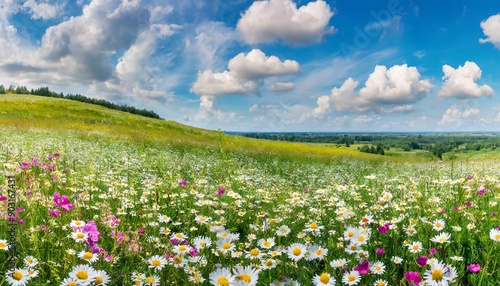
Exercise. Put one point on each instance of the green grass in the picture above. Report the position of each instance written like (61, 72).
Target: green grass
(124, 174)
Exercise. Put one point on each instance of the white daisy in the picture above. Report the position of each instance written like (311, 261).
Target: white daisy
(339, 263)
(378, 267)
(221, 277)
(351, 278)
(254, 253)
(30, 261)
(439, 274)
(17, 277)
(77, 224)
(316, 252)
(283, 231)
(88, 256)
(246, 275)
(296, 251)
(380, 282)
(163, 218)
(495, 234)
(415, 247)
(225, 246)
(152, 280)
(4, 245)
(266, 243)
(397, 259)
(181, 249)
(84, 274)
(441, 238)
(79, 236)
(324, 279)
(101, 278)
(201, 242)
(69, 282)
(269, 263)
(438, 224)
(157, 262)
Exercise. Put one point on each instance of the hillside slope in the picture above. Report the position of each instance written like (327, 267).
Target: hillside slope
(59, 115)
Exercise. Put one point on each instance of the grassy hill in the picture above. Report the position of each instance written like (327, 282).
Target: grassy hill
(60, 115)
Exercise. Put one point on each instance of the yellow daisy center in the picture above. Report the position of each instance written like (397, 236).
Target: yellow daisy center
(150, 279)
(202, 243)
(361, 238)
(177, 260)
(416, 247)
(437, 274)
(72, 283)
(3, 245)
(324, 278)
(245, 278)
(82, 274)
(156, 262)
(319, 252)
(203, 218)
(226, 245)
(254, 252)
(378, 267)
(350, 233)
(381, 283)
(182, 248)
(351, 278)
(18, 275)
(266, 243)
(98, 280)
(496, 237)
(313, 225)
(223, 281)
(88, 255)
(29, 260)
(178, 235)
(296, 251)
(78, 223)
(269, 263)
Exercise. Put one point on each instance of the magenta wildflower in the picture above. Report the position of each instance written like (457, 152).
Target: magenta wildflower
(193, 251)
(62, 202)
(455, 208)
(468, 204)
(141, 231)
(183, 183)
(34, 161)
(481, 191)
(93, 233)
(3, 198)
(379, 251)
(383, 229)
(54, 212)
(363, 268)
(442, 211)
(413, 277)
(25, 165)
(174, 241)
(18, 210)
(474, 268)
(422, 261)
(221, 191)
(494, 213)
(119, 236)
(432, 251)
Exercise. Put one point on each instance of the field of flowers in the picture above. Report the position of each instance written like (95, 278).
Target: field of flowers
(98, 210)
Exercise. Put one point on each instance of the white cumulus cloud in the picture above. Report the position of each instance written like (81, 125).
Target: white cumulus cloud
(266, 21)
(397, 87)
(491, 29)
(256, 65)
(282, 86)
(244, 75)
(455, 116)
(461, 82)
(42, 9)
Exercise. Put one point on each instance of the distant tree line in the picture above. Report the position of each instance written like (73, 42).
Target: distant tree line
(45, 91)
(435, 144)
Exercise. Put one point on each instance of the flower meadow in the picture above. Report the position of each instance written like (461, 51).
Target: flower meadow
(93, 209)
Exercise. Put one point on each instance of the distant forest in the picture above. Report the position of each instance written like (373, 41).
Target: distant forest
(437, 144)
(45, 91)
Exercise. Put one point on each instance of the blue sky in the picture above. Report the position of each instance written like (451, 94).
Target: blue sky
(268, 66)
